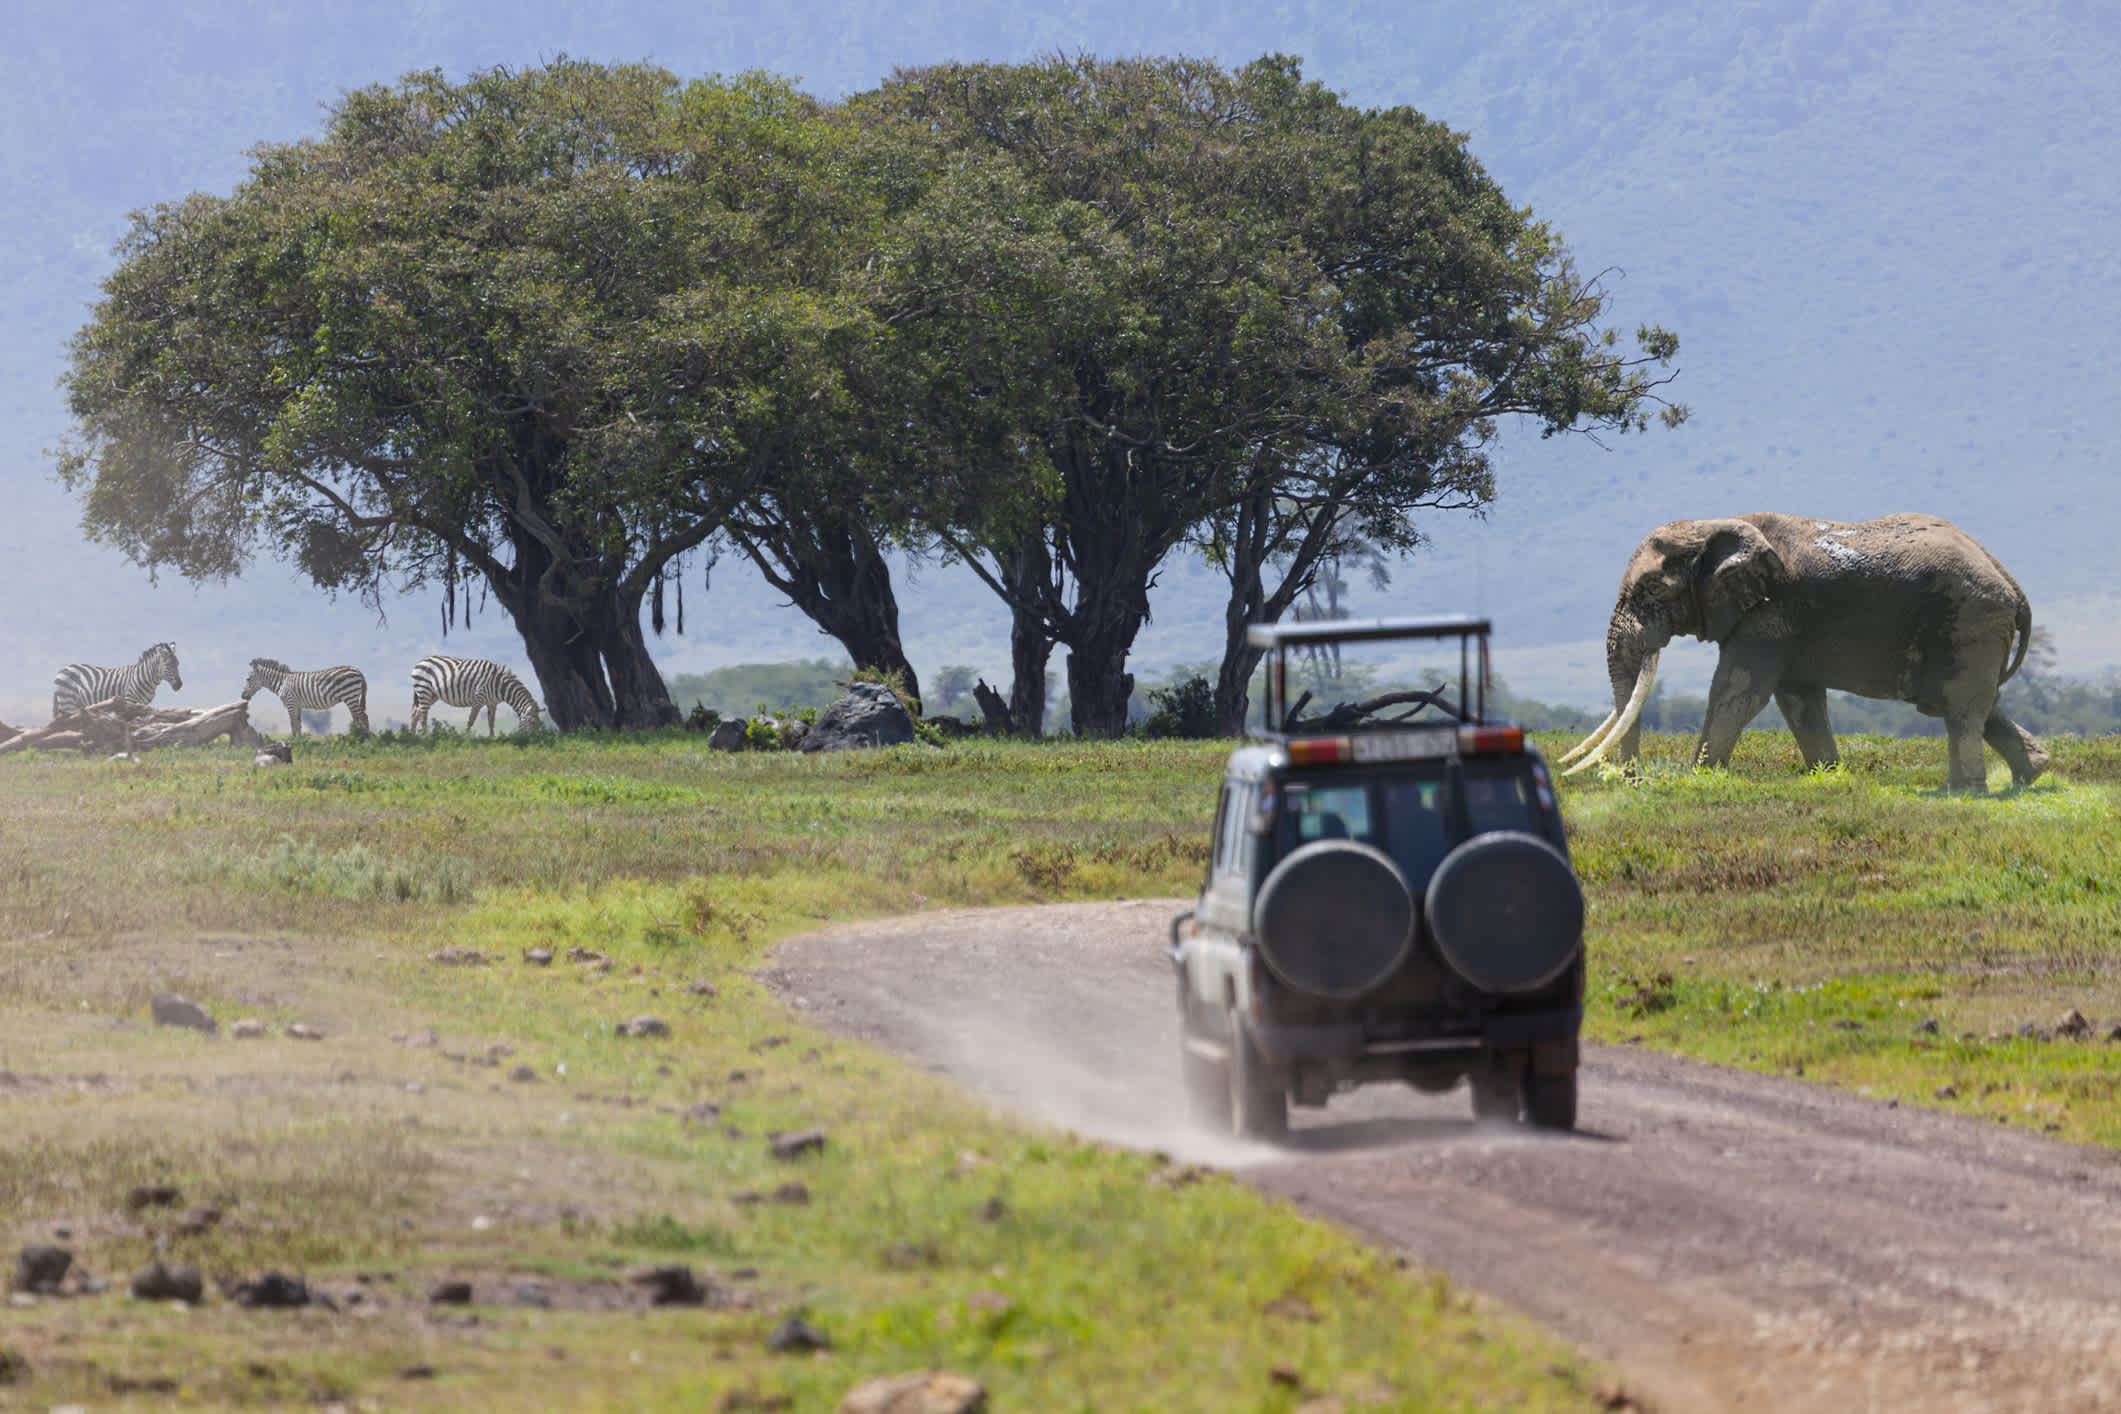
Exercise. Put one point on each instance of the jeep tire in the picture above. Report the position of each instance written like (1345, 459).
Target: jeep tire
(1549, 1100)
(1258, 1095)
(1496, 1091)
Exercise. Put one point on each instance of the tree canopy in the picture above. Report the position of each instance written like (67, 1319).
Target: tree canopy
(1194, 304)
(546, 329)
(556, 330)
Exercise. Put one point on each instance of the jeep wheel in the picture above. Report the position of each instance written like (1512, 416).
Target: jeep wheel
(1550, 1100)
(1258, 1098)
(1207, 1090)
(1495, 1093)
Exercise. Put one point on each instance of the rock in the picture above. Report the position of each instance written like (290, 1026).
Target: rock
(1929, 1027)
(422, 1039)
(274, 1291)
(579, 953)
(645, 1026)
(247, 1029)
(701, 987)
(869, 715)
(458, 957)
(672, 1286)
(153, 1195)
(728, 736)
(921, 1392)
(531, 1293)
(523, 1074)
(1945, 1092)
(796, 1335)
(303, 1031)
(794, 1195)
(197, 1222)
(2073, 1025)
(794, 1144)
(450, 1293)
(157, 1282)
(993, 1210)
(538, 957)
(40, 1267)
(705, 1112)
(169, 1009)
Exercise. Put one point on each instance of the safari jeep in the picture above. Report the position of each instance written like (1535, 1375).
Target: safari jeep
(1389, 898)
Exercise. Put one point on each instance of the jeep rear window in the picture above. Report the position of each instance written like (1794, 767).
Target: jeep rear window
(1498, 797)
(1406, 815)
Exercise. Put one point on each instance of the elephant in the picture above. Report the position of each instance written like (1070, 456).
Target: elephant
(1907, 607)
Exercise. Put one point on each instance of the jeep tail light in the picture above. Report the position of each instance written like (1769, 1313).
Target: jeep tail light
(1322, 751)
(1491, 741)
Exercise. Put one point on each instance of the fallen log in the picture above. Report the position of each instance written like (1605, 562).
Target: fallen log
(115, 725)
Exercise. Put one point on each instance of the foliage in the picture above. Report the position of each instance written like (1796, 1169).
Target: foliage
(733, 690)
(1184, 710)
(541, 329)
(1162, 293)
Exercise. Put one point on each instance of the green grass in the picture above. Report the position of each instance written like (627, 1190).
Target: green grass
(1865, 928)
(1859, 927)
(1062, 1274)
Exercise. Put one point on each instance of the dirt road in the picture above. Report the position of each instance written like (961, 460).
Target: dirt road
(1730, 1242)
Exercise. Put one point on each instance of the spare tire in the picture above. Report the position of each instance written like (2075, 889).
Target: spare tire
(1335, 918)
(1506, 911)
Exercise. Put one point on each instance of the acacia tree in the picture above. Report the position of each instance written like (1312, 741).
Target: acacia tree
(542, 328)
(1227, 307)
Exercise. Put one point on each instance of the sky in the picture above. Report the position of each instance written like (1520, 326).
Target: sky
(1882, 230)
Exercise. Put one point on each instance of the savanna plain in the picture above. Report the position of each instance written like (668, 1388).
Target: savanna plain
(471, 1113)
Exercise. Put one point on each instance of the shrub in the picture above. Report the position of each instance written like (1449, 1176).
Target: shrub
(1184, 710)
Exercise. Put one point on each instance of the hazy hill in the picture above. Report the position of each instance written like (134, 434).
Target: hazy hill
(1882, 231)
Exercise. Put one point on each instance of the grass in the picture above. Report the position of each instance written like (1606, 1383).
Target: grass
(1859, 927)
(378, 1160)
(1864, 928)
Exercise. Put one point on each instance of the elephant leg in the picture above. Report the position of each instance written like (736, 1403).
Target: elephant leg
(1803, 706)
(1968, 769)
(1739, 690)
(2026, 756)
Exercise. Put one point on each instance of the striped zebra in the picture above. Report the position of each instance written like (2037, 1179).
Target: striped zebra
(82, 684)
(469, 682)
(319, 690)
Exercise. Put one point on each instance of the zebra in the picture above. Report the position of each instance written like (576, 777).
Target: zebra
(469, 682)
(82, 684)
(323, 688)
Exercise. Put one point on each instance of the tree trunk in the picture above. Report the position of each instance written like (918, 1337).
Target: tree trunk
(1030, 639)
(834, 570)
(593, 666)
(1099, 685)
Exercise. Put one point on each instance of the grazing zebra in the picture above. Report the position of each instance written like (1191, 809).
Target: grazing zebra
(321, 689)
(83, 685)
(469, 682)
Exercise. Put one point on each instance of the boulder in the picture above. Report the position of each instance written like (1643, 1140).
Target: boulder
(869, 715)
(41, 1267)
(729, 736)
(921, 1392)
(169, 1009)
(159, 1282)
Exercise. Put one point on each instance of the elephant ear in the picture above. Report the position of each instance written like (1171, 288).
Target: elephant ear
(1738, 571)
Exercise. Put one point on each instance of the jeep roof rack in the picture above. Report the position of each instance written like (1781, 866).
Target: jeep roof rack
(1277, 639)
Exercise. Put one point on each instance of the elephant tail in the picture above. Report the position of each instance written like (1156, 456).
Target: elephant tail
(2023, 631)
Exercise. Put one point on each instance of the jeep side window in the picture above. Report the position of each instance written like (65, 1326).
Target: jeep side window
(1230, 836)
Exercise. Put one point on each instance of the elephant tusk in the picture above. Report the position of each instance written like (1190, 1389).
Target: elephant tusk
(1597, 734)
(1629, 715)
